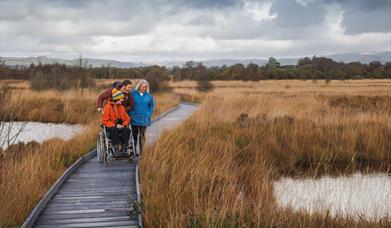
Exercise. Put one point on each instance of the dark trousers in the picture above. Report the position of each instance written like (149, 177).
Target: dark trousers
(119, 136)
(139, 131)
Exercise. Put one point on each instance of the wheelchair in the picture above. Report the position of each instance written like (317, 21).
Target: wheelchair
(105, 150)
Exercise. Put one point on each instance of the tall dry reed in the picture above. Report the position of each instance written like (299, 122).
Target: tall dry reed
(25, 179)
(217, 169)
(28, 171)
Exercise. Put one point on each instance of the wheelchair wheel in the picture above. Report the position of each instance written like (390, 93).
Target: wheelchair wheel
(131, 150)
(100, 148)
(106, 149)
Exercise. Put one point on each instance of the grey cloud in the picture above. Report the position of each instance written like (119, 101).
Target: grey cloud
(211, 3)
(374, 4)
(365, 21)
(362, 16)
(363, 4)
(67, 3)
(71, 24)
(293, 21)
(292, 14)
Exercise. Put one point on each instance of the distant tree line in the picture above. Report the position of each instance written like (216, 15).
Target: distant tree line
(306, 68)
(103, 72)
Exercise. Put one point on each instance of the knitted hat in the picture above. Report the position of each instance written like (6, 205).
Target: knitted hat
(116, 85)
(116, 95)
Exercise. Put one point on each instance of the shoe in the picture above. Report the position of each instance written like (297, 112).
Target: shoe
(110, 152)
(125, 149)
(116, 149)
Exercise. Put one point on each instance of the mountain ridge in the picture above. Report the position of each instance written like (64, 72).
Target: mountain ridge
(363, 57)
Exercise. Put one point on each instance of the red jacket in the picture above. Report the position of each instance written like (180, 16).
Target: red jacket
(128, 102)
(112, 112)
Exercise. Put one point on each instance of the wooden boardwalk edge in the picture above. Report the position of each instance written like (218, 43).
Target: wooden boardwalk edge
(29, 222)
(33, 216)
(138, 192)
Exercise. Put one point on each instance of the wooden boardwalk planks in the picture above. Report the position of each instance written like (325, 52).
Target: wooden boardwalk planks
(95, 195)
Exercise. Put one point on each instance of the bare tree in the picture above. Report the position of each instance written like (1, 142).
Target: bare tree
(9, 108)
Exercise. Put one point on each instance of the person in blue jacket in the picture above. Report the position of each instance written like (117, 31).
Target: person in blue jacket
(141, 114)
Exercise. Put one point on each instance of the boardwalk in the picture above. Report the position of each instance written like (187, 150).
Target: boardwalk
(96, 195)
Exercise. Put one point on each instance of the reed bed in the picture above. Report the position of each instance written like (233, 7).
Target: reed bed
(218, 168)
(27, 171)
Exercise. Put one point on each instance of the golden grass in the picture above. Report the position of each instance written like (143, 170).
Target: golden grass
(352, 87)
(164, 102)
(26, 178)
(26, 175)
(217, 169)
(222, 168)
(75, 106)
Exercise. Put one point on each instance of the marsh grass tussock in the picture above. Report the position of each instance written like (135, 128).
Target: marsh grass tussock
(28, 170)
(218, 168)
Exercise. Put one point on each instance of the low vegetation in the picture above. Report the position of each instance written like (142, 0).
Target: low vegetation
(247, 135)
(244, 136)
(158, 80)
(28, 170)
(26, 176)
(60, 77)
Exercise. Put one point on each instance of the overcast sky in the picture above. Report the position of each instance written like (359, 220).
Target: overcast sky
(153, 30)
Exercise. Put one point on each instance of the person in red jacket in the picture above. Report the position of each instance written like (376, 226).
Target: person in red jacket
(116, 120)
(125, 88)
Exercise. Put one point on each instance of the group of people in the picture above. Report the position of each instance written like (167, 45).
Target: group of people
(125, 106)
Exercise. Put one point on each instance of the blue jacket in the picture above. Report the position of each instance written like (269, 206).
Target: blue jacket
(142, 110)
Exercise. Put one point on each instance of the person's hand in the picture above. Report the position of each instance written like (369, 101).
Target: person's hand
(119, 126)
(100, 110)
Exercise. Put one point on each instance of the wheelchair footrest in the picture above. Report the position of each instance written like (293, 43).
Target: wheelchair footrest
(121, 155)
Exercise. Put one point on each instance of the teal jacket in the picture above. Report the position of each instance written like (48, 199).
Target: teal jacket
(141, 113)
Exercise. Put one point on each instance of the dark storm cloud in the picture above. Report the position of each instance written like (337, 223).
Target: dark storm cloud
(368, 16)
(366, 21)
(365, 15)
(363, 4)
(360, 15)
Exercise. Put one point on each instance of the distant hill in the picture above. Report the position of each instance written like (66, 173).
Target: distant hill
(47, 60)
(365, 57)
(343, 57)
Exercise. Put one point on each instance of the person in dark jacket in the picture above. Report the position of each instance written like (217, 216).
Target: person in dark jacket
(141, 114)
(125, 88)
